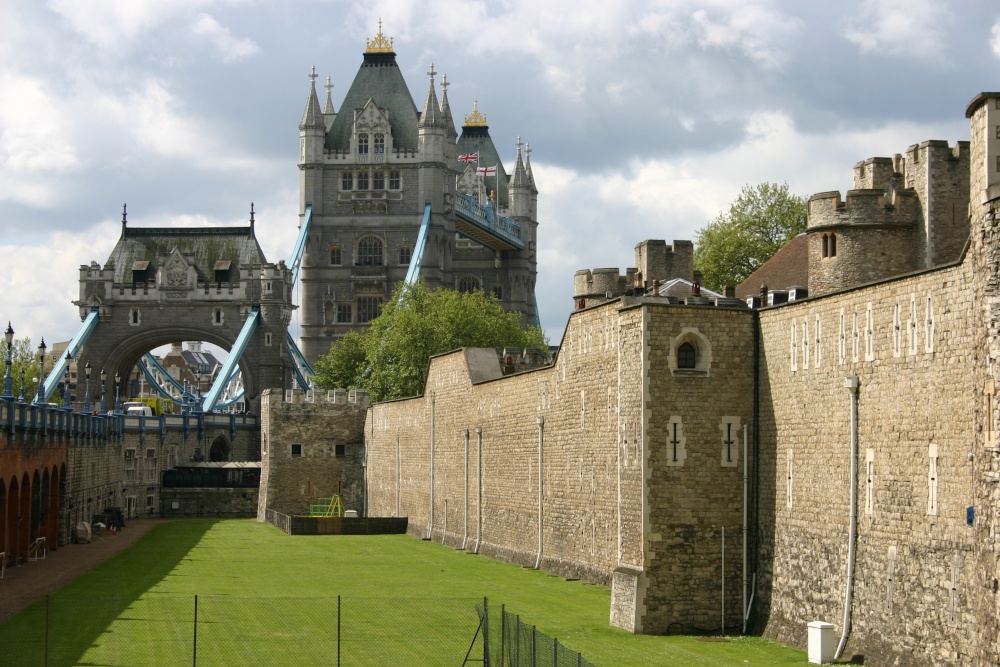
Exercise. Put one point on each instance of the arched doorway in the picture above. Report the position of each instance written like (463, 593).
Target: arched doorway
(220, 449)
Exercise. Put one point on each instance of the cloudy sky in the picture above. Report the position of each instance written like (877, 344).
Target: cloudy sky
(645, 118)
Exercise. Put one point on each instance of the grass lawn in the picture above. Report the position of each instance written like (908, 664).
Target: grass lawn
(267, 598)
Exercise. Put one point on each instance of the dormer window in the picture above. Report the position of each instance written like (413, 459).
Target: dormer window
(379, 144)
(363, 144)
(140, 271)
(222, 271)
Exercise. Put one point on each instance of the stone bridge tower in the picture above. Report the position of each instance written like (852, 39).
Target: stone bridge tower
(164, 285)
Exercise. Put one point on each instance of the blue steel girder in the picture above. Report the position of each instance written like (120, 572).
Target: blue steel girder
(416, 261)
(235, 354)
(482, 223)
(300, 244)
(73, 349)
(303, 369)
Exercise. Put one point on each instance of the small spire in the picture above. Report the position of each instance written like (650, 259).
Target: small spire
(518, 179)
(312, 118)
(251, 220)
(328, 109)
(527, 168)
(124, 215)
(429, 116)
(446, 108)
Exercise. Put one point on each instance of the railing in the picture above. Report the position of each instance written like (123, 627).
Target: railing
(516, 644)
(280, 521)
(486, 217)
(37, 550)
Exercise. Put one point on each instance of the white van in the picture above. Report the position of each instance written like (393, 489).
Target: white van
(137, 408)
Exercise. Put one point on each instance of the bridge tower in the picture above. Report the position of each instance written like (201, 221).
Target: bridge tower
(165, 285)
(369, 171)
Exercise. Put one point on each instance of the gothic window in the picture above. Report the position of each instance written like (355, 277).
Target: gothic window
(335, 258)
(327, 313)
(393, 180)
(344, 313)
(363, 144)
(829, 245)
(405, 253)
(468, 284)
(498, 293)
(363, 181)
(833, 245)
(347, 181)
(826, 245)
(378, 180)
(370, 251)
(686, 356)
(369, 307)
(379, 145)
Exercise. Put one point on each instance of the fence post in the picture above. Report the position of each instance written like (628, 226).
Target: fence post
(338, 631)
(195, 648)
(555, 652)
(486, 633)
(503, 632)
(47, 631)
(534, 645)
(517, 642)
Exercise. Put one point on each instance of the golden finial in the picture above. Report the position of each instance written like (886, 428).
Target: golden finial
(475, 119)
(380, 44)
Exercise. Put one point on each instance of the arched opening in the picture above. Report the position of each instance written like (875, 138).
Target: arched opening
(220, 449)
(833, 245)
(826, 245)
(468, 284)
(691, 353)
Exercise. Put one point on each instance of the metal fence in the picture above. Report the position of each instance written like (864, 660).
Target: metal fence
(510, 642)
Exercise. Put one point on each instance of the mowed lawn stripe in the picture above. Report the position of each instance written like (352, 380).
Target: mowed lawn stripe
(268, 598)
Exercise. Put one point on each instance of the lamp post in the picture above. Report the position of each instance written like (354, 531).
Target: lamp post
(41, 373)
(86, 396)
(118, 381)
(197, 405)
(104, 384)
(8, 381)
(67, 404)
(21, 399)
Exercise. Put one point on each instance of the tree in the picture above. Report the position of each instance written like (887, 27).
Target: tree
(390, 359)
(24, 369)
(761, 220)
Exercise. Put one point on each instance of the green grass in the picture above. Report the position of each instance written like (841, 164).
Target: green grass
(266, 598)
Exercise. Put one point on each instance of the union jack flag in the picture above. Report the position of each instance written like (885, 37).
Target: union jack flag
(469, 157)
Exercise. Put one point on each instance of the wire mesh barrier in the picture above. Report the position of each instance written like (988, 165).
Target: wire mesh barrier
(510, 642)
(223, 630)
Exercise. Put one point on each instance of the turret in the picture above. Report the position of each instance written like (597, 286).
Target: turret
(432, 128)
(451, 134)
(312, 129)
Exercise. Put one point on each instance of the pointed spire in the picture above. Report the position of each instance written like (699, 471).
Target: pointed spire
(449, 122)
(328, 109)
(527, 168)
(519, 179)
(429, 116)
(312, 118)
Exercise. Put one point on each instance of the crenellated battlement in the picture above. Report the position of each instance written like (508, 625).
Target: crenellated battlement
(863, 207)
(597, 284)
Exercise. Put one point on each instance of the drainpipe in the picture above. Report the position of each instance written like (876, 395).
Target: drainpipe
(745, 614)
(465, 523)
(430, 520)
(541, 432)
(851, 384)
(479, 488)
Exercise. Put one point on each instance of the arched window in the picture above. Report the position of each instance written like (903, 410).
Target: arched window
(362, 144)
(379, 146)
(393, 180)
(347, 181)
(468, 284)
(378, 180)
(335, 256)
(219, 450)
(833, 245)
(686, 356)
(826, 245)
(370, 251)
(362, 180)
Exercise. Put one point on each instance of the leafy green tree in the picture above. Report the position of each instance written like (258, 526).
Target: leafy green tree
(24, 369)
(762, 219)
(390, 359)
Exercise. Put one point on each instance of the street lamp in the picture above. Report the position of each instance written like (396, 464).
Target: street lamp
(67, 404)
(21, 399)
(197, 405)
(104, 383)
(86, 396)
(8, 384)
(41, 373)
(118, 381)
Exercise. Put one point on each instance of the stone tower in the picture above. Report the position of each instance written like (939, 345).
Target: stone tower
(369, 171)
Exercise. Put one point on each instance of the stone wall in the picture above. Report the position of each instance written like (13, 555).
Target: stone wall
(300, 462)
(911, 344)
(208, 502)
(565, 467)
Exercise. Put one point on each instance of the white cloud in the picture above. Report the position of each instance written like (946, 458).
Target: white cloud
(110, 23)
(756, 31)
(910, 28)
(995, 41)
(230, 48)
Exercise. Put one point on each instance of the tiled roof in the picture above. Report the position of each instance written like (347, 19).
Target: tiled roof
(788, 268)
(477, 139)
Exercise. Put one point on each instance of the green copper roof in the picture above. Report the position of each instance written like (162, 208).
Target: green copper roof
(477, 139)
(378, 79)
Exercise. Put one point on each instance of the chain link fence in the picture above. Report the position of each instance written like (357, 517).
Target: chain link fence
(510, 642)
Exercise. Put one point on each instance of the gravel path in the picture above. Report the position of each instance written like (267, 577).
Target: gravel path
(21, 586)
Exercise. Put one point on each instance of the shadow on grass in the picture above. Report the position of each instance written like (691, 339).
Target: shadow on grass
(59, 629)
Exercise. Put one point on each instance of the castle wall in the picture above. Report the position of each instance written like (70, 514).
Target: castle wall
(299, 459)
(915, 360)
